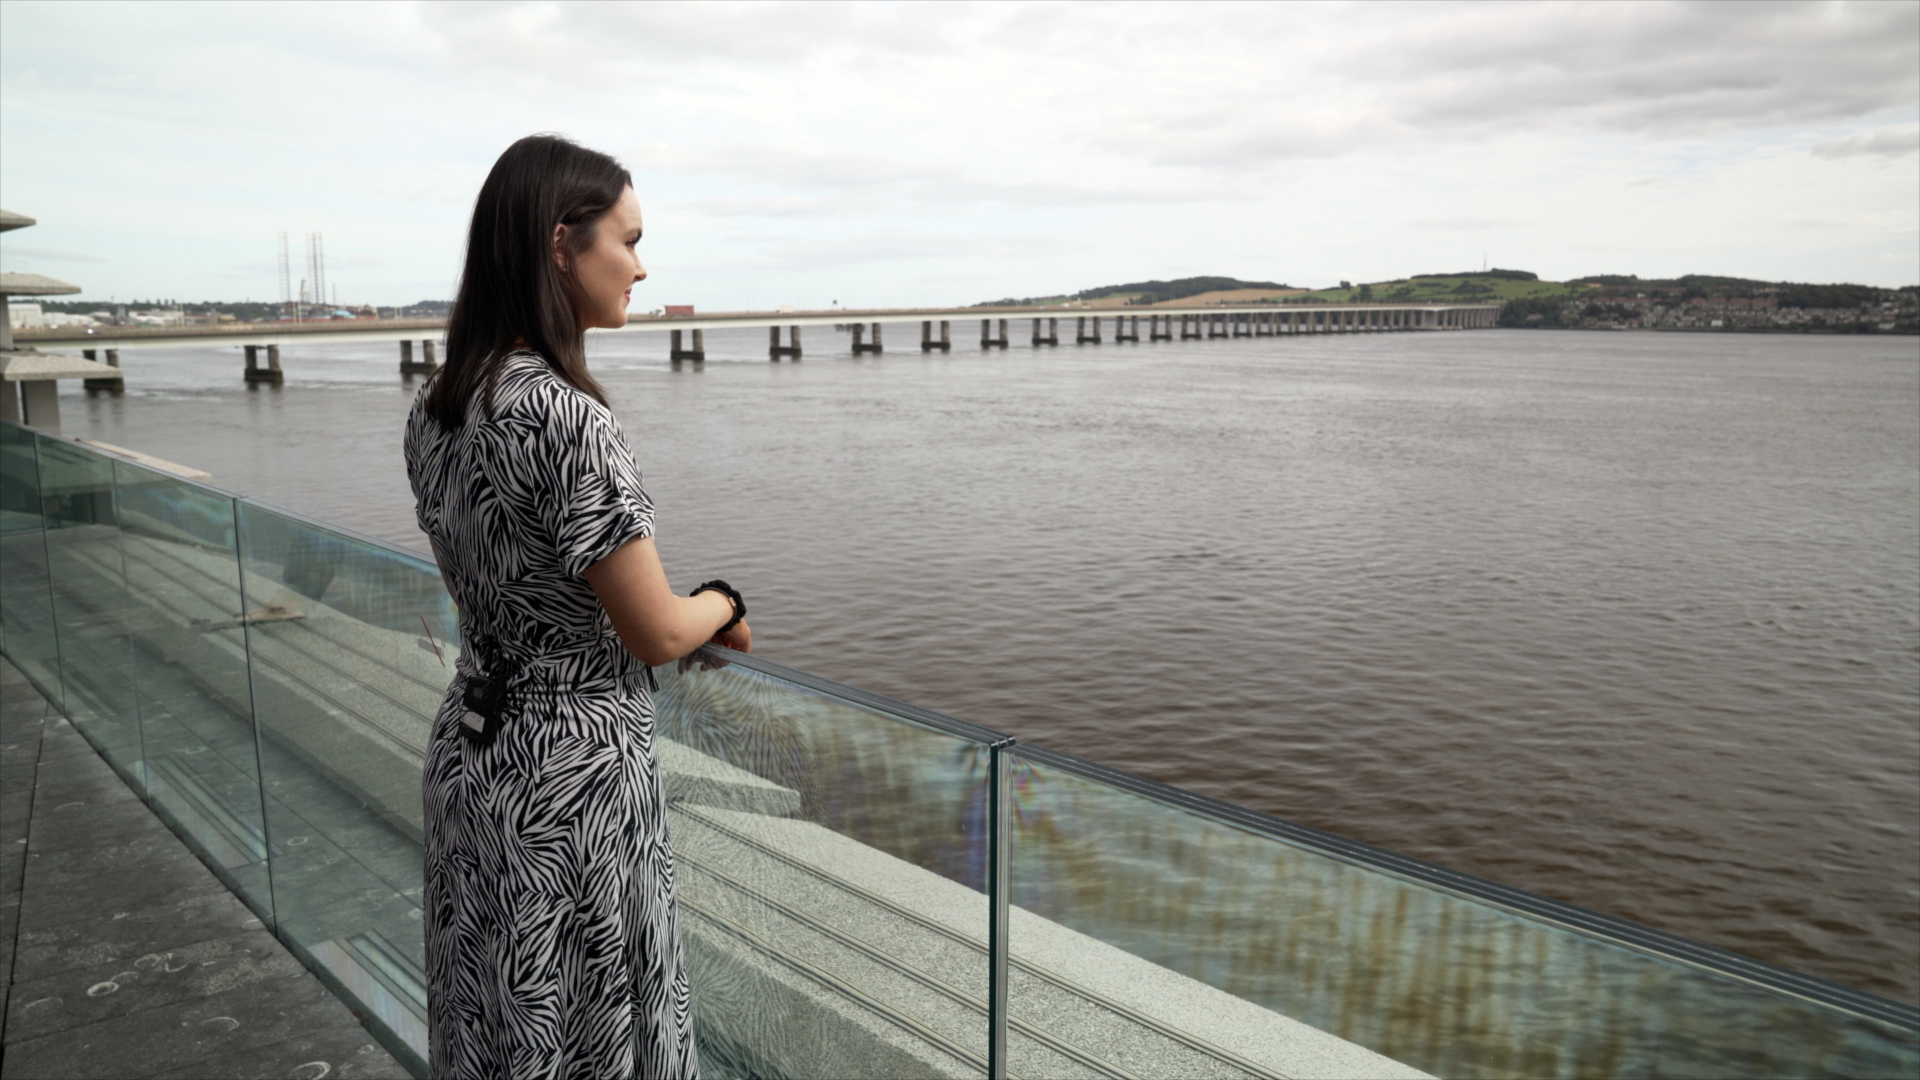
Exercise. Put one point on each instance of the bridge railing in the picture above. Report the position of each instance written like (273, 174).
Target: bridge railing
(867, 888)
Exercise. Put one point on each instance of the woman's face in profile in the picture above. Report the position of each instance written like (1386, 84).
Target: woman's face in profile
(608, 270)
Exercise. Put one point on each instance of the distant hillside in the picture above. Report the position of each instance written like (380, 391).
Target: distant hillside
(1690, 301)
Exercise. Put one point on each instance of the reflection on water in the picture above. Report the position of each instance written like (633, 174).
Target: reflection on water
(1630, 620)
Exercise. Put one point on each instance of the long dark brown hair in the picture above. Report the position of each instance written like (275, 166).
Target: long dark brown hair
(509, 289)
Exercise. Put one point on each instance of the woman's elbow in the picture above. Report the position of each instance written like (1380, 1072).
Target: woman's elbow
(663, 647)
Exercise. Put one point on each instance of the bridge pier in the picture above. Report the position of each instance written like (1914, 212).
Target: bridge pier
(861, 346)
(271, 374)
(427, 363)
(698, 353)
(927, 344)
(1053, 333)
(1120, 333)
(1216, 325)
(1189, 328)
(113, 383)
(987, 340)
(1155, 333)
(775, 350)
(1080, 335)
(1240, 324)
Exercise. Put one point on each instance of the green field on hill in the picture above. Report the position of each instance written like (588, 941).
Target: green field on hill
(1485, 285)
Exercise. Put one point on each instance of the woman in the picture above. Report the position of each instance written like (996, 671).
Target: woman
(553, 940)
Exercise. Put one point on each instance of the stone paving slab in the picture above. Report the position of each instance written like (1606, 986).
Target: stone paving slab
(89, 995)
(101, 897)
(347, 1051)
(72, 945)
(179, 1035)
(123, 955)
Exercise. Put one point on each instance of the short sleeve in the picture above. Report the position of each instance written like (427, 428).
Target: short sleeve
(598, 503)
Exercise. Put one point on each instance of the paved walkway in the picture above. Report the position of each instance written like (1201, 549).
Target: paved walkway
(123, 955)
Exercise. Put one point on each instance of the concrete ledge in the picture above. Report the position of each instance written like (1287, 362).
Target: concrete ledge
(152, 462)
(811, 898)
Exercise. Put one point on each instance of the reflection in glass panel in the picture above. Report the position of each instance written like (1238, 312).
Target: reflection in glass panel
(1259, 952)
(829, 861)
(351, 647)
(26, 603)
(189, 665)
(89, 601)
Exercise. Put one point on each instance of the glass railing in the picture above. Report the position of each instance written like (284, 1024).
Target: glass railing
(867, 888)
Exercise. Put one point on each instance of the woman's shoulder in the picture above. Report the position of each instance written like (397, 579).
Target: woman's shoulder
(529, 389)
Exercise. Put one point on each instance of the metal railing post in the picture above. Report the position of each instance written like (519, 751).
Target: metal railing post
(999, 837)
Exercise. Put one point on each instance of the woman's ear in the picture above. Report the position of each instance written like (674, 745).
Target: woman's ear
(560, 248)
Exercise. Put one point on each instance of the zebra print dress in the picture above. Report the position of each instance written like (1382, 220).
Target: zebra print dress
(553, 939)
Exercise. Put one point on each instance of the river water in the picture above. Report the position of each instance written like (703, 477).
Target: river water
(1630, 620)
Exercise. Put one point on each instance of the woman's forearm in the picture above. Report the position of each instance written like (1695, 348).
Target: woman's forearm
(697, 620)
(654, 624)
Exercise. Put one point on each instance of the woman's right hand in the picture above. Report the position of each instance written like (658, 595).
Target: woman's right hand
(739, 639)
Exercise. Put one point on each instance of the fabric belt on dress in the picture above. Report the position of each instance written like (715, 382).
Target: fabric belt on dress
(537, 671)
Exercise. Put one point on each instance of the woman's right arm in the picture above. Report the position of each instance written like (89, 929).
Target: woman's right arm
(654, 624)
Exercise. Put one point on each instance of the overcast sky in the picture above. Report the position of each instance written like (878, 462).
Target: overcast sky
(895, 154)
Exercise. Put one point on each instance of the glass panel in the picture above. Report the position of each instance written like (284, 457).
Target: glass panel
(1172, 943)
(830, 861)
(90, 600)
(351, 651)
(189, 664)
(26, 602)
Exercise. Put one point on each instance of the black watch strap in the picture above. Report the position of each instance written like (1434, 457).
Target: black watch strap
(733, 596)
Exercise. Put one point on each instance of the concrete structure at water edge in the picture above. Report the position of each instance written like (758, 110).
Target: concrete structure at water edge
(36, 399)
(426, 365)
(791, 349)
(928, 344)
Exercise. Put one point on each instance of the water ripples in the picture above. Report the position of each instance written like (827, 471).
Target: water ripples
(1631, 620)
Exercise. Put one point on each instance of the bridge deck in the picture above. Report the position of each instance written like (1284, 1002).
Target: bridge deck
(131, 337)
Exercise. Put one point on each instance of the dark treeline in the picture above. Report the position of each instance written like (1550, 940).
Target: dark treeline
(1695, 286)
(1147, 292)
(1503, 275)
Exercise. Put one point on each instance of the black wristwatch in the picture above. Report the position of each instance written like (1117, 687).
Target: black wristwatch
(733, 596)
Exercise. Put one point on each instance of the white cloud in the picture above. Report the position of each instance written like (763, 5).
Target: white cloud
(1042, 146)
(1889, 142)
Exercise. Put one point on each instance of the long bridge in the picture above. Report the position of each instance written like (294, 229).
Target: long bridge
(263, 342)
